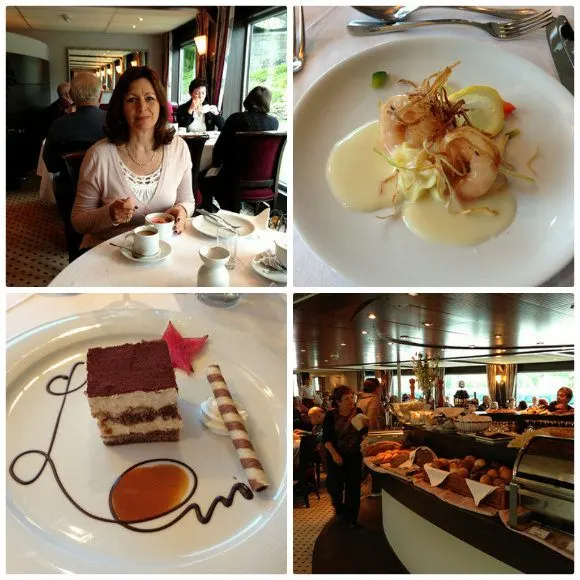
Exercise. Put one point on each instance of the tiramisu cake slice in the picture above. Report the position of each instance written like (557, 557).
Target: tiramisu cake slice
(133, 394)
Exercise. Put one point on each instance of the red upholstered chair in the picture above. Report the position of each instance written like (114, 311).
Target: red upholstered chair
(257, 155)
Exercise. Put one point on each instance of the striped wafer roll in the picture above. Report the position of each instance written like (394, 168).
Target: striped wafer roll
(236, 429)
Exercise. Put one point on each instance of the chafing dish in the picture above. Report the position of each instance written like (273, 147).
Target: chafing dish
(543, 482)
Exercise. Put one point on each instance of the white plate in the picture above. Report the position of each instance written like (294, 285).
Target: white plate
(164, 251)
(278, 277)
(203, 225)
(368, 251)
(46, 533)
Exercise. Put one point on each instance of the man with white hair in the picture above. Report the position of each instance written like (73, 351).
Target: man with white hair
(77, 131)
(85, 125)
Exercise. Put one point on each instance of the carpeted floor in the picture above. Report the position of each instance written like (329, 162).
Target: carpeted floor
(35, 242)
(316, 535)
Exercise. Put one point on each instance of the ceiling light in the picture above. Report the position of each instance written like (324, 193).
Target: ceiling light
(343, 344)
(389, 343)
(325, 360)
(498, 335)
(133, 26)
(140, 19)
(364, 332)
(427, 324)
(413, 294)
(471, 346)
(133, 63)
(201, 44)
(302, 350)
(372, 316)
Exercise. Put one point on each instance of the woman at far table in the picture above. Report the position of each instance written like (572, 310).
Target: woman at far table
(342, 435)
(140, 168)
(196, 115)
(256, 117)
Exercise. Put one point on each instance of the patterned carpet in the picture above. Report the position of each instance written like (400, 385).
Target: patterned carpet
(35, 242)
(309, 522)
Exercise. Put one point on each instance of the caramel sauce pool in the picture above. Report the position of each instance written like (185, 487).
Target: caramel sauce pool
(355, 171)
(147, 492)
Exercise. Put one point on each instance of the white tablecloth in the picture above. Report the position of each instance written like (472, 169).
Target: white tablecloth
(104, 265)
(46, 192)
(263, 316)
(328, 42)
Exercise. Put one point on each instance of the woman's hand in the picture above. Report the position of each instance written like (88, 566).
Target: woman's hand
(336, 457)
(121, 211)
(180, 216)
(195, 106)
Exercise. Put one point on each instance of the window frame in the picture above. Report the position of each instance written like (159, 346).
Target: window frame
(180, 67)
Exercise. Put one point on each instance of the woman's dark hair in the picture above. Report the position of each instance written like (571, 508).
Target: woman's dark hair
(371, 385)
(197, 84)
(522, 405)
(116, 127)
(340, 392)
(258, 100)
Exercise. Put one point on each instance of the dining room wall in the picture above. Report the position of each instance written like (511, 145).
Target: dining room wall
(58, 42)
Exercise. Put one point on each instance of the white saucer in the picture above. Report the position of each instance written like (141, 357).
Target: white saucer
(164, 251)
(207, 227)
(278, 277)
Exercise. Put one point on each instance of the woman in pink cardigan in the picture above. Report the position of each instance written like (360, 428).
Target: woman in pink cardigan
(141, 168)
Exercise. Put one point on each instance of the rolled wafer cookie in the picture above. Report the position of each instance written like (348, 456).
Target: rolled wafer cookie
(235, 426)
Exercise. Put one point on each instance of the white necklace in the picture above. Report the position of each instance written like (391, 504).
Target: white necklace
(144, 164)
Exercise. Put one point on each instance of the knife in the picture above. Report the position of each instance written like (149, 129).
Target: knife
(561, 40)
(218, 220)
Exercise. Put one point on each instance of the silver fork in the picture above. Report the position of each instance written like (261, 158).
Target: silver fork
(502, 30)
(299, 37)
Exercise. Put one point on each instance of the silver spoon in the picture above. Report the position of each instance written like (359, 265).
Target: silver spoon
(400, 13)
(133, 253)
(299, 39)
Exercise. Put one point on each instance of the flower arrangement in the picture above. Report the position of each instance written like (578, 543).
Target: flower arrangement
(425, 370)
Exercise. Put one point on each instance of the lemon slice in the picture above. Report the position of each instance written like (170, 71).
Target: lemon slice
(484, 108)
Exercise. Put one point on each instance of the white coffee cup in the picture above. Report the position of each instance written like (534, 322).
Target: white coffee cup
(360, 421)
(163, 223)
(145, 240)
(282, 252)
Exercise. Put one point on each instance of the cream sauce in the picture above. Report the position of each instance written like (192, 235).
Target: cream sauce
(355, 173)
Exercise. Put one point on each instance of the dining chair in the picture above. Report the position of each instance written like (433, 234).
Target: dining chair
(256, 170)
(65, 188)
(306, 480)
(195, 144)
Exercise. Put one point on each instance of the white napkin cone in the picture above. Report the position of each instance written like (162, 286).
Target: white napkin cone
(436, 476)
(479, 490)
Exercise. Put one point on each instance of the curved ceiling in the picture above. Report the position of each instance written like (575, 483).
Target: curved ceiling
(372, 330)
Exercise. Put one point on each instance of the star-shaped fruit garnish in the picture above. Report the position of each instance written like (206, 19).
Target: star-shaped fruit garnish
(182, 350)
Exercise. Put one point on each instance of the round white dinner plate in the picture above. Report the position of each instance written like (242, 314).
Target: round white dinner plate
(369, 251)
(164, 252)
(273, 276)
(46, 533)
(207, 227)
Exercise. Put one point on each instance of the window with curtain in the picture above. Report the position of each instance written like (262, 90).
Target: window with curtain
(543, 385)
(474, 383)
(187, 54)
(266, 66)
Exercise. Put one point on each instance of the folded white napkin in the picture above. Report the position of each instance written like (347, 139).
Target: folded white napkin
(436, 476)
(479, 490)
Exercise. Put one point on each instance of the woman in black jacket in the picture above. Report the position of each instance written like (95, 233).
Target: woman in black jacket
(196, 115)
(342, 438)
(254, 118)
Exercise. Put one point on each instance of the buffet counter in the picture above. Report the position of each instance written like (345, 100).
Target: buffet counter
(435, 530)
(435, 537)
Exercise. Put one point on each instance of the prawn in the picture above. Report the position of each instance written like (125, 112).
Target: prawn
(473, 161)
(421, 116)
